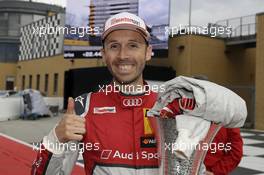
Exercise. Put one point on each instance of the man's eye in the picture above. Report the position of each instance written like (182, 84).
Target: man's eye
(113, 46)
(133, 45)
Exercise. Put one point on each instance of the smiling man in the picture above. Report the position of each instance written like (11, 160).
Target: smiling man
(116, 136)
(112, 130)
(125, 52)
(126, 48)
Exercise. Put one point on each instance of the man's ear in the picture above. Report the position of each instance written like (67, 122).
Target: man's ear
(103, 54)
(149, 53)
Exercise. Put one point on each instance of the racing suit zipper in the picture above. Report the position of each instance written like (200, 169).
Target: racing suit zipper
(134, 140)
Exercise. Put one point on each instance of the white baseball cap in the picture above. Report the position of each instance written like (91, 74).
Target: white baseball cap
(125, 21)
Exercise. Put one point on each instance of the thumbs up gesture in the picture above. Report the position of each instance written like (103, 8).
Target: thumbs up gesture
(71, 127)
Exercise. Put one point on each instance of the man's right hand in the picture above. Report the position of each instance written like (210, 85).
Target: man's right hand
(71, 127)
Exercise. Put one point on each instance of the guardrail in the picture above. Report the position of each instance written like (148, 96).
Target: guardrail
(241, 26)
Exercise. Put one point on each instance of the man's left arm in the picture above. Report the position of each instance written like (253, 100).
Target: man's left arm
(233, 154)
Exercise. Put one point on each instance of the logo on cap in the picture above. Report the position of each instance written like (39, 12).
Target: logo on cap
(125, 19)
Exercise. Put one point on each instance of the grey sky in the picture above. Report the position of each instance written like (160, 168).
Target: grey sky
(153, 14)
(156, 11)
(204, 11)
(55, 2)
(79, 11)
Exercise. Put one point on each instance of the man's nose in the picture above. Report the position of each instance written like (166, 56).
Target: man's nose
(122, 53)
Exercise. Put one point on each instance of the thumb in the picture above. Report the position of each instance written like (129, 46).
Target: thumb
(70, 107)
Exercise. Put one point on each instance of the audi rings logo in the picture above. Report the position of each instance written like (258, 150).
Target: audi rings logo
(132, 102)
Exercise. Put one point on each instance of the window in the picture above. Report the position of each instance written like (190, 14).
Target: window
(13, 24)
(46, 83)
(10, 82)
(30, 82)
(9, 52)
(26, 19)
(38, 82)
(23, 82)
(4, 24)
(56, 80)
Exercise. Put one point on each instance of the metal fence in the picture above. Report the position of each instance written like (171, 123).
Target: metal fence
(241, 26)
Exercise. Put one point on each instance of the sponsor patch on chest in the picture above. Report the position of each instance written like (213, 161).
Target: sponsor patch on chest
(148, 142)
(104, 110)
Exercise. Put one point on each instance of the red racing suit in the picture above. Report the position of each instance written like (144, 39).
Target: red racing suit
(222, 162)
(120, 138)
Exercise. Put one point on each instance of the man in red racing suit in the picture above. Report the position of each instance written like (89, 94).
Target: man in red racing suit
(112, 129)
(119, 140)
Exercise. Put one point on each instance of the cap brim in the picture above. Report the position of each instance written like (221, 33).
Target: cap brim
(144, 33)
